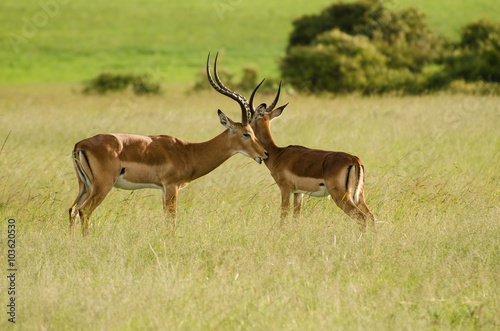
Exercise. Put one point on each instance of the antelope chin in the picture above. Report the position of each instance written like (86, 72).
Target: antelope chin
(259, 160)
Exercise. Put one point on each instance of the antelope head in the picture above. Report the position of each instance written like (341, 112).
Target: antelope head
(242, 132)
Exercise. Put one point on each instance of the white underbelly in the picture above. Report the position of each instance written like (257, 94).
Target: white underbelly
(126, 185)
(321, 192)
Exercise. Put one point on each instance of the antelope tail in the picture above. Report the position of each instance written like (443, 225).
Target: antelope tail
(81, 162)
(355, 181)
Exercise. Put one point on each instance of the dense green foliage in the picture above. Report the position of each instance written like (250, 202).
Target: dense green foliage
(372, 48)
(346, 63)
(402, 36)
(477, 55)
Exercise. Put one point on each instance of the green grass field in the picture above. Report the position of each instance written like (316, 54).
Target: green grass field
(72, 41)
(433, 167)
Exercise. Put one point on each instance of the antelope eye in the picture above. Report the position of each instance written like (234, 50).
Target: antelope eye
(247, 135)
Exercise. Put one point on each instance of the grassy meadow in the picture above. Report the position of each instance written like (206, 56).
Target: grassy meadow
(432, 262)
(433, 181)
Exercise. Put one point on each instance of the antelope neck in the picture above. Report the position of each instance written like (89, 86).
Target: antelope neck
(265, 138)
(210, 154)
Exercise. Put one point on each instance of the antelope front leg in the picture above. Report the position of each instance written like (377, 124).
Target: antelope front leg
(285, 203)
(170, 204)
(297, 204)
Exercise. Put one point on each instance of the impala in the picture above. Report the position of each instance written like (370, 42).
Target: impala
(131, 161)
(300, 170)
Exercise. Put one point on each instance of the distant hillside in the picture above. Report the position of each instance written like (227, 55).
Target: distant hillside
(70, 41)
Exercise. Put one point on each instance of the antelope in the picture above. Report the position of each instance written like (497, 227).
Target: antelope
(131, 161)
(301, 170)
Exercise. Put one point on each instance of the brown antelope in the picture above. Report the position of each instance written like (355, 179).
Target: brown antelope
(300, 170)
(131, 161)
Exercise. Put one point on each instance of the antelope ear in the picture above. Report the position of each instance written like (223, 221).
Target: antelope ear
(226, 121)
(261, 109)
(276, 112)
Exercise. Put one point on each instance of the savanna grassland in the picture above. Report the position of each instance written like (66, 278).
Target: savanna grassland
(432, 262)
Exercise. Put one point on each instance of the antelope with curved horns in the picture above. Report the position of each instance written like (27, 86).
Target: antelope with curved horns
(300, 170)
(131, 161)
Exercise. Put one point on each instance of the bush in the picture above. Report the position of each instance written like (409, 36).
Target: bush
(249, 80)
(108, 82)
(365, 47)
(335, 62)
(477, 56)
(403, 36)
(473, 88)
(340, 63)
(343, 16)
(479, 34)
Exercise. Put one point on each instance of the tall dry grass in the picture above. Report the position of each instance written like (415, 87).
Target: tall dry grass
(432, 181)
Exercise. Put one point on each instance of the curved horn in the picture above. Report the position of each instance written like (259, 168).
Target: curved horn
(252, 108)
(271, 106)
(219, 87)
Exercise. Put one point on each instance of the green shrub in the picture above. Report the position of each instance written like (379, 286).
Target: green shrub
(479, 34)
(477, 56)
(250, 78)
(343, 16)
(335, 62)
(362, 46)
(403, 36)
(473, 88)
(144, 85)
(340, 63)
(109, 82)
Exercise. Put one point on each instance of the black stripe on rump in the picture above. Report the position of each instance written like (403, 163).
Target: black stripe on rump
(347, 178)
(87, 160)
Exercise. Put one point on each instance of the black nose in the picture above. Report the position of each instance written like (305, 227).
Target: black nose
(267, 154)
